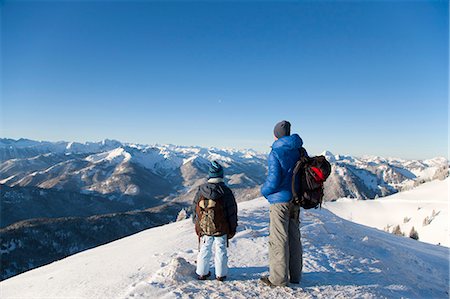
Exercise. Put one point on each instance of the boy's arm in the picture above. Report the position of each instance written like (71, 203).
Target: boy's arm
(194, 205)
(231, 212)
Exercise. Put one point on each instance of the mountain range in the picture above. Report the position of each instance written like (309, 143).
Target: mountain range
(142, 175)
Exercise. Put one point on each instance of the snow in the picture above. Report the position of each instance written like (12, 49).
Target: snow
(190, 159)
(407, 209)
(426, 172)
(341, 259)
(117, 154)
(4, 181)
(69, 145)
(132, 190)
(329, 156)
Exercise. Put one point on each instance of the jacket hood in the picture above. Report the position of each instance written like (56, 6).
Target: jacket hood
(212, 190)
(291, 142)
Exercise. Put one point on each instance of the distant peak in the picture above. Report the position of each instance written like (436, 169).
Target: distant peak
(111, 142)
(327, 153)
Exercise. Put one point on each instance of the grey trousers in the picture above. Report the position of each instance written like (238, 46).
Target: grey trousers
(285, 247)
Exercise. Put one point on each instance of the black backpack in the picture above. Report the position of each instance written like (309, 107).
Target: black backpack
(307, 180)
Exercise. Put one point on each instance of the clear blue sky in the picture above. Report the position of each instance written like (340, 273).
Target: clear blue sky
(352, 77)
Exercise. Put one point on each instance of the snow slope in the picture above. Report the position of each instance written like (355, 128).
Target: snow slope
(407, 209)
(341, 259)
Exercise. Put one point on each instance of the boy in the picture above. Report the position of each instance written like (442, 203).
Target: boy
(215, 221)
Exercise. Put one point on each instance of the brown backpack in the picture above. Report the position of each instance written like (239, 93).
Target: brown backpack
(211, 220)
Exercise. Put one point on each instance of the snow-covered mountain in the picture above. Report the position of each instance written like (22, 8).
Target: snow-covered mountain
(370, 177)
(341, 259)
(425, 209)
(141, 175)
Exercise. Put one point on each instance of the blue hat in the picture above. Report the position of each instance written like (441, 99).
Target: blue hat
(215, 170)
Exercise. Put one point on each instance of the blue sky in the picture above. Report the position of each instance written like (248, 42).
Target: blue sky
(352, 77)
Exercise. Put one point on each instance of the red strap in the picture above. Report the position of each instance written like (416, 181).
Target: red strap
(319, 174)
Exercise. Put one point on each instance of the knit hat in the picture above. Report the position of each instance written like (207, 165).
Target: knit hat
(215, 170)
(283, 128)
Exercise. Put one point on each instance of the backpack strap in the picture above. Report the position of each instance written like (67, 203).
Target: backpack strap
(304, 158)
(303, 154)
(295, 195)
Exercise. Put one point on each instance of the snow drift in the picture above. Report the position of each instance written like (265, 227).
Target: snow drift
(425, 208)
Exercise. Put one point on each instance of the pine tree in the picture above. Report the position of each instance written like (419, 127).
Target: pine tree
(413, 234)
(182, 215)
(397, 231)
(427, 220)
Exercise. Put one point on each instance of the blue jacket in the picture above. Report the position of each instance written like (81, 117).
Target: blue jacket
(285, 153)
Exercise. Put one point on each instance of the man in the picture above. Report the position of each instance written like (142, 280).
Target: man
(215, 221)
(285, 249)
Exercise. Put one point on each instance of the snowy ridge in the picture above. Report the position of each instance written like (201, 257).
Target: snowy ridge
(341, 259)
(118, 154)
(424, 208)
